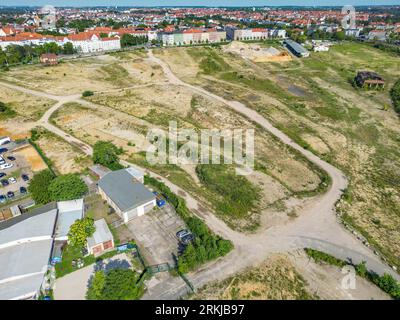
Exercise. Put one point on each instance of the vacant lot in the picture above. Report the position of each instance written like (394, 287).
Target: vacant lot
(26, 106)
(74, 76)
(65, 158)
(314, 102)
(125, 117)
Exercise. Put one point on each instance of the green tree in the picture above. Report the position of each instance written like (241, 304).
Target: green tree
(117, 284)
(106, 154)
(38, 186)
(340, 35)
(68, 48)
(80, 230)
(96, 287)
(67, 187)
(395, 95)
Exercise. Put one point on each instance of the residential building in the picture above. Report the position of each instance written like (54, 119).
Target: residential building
(48, 59)
(379, 35)
(102, 239)
(126, 194)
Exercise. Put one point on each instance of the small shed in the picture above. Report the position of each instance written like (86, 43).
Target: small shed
(48, 59)
(102, 239)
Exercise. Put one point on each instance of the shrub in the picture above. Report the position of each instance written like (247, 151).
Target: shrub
(87, 93)
(38, 186)
(106, 154)
(67, 187)
(80, 230)
(395, 95)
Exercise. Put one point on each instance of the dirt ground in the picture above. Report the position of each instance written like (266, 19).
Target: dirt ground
(314, 102)
(289, 277)
(257, 53)
(32, 157)
(75, 76)
(65, 158)
(26, 106)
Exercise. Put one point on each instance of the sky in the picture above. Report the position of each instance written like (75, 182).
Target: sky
(194, 2)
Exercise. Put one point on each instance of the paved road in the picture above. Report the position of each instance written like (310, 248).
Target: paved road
(316, 226)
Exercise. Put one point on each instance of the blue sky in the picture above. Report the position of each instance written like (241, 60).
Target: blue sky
(193, 2)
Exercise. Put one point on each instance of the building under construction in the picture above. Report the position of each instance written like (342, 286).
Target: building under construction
(369, 80)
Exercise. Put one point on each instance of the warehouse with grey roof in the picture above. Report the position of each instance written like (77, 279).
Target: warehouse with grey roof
(125, 193)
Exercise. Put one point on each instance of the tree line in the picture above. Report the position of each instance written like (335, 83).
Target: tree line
(16, 54)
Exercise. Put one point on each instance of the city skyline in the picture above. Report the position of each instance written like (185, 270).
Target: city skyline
(221, 3)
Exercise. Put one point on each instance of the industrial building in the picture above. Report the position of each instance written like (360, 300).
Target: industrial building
(297, 49)
(125, 193)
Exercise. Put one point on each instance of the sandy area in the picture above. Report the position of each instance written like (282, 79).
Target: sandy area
(32, 157)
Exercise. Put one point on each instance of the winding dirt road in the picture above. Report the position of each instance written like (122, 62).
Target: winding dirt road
(316, 227)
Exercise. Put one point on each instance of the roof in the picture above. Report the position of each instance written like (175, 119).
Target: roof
(102, 233)
(68, 213)
(123, 188)
(99, 170)
(295, 46)
(25, 249)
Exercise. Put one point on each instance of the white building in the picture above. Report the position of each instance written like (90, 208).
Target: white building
(125, 193)
(88, 42)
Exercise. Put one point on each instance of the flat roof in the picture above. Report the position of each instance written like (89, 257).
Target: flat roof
(68, 213)
(25, 249)
(102, 233)
(125, 190)
(296, 46)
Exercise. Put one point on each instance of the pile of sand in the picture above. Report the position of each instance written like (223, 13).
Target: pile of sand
(256, 53)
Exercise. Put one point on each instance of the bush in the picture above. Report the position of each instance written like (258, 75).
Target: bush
(6, 111)
(395, 95)
(80, 230)
(116, 284)
(207, 246)
(87, 93)
(67, 187)
(38, 186)
(106, 154)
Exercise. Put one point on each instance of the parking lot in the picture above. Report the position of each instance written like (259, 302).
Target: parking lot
(155, 234)
(19, 155)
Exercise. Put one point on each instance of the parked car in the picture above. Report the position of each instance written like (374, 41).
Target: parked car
(12, 180)
(23, 190)
(2, 174)
(2, 150)
(2, 161)
(182, 233)
(11, 158)
(187, 239)
(6, 166)
(3, 198)
(25, 177)
(10, 194)
(4, 182)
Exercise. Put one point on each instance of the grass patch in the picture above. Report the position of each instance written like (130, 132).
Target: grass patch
(238, 196)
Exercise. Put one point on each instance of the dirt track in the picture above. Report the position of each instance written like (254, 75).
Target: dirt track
(316, 226)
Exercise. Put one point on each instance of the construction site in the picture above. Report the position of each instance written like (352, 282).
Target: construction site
(257, 53)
